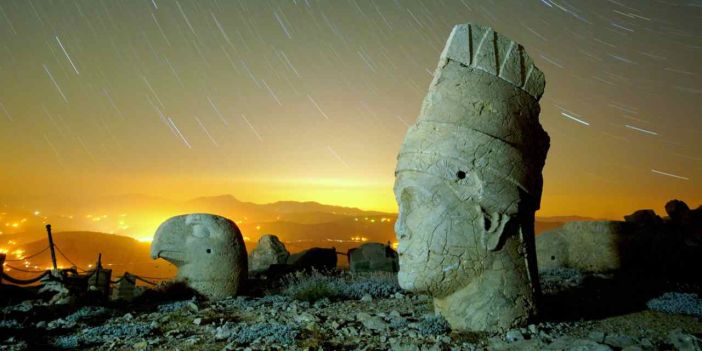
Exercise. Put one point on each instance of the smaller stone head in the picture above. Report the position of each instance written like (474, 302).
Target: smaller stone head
(208, 250)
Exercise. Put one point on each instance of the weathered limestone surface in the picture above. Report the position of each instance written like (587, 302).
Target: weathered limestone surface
(268, 251)
(373, 257)
(597, 246)
(208, 250)
(468, 181)
(644, 243)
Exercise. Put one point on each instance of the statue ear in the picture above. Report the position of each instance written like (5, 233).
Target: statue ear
(494, 225)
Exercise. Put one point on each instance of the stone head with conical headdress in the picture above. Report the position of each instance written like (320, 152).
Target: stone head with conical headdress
(468, 181)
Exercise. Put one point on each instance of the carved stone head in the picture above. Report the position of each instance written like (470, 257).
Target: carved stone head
(468, 176)
(208, 250)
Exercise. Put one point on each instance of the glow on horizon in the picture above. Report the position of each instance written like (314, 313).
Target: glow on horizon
(180, 103)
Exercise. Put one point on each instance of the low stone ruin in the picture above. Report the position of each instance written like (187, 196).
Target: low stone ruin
(208, 250)
(644, 241)
(373, 257)
(269, 251)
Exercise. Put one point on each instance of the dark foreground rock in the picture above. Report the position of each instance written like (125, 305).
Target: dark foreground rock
(342, 311)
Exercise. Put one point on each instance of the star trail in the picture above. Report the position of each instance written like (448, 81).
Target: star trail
(310, 100)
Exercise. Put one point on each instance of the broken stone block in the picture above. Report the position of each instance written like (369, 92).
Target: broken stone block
(373, 257)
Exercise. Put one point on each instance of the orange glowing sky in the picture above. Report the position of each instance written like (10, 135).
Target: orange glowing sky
(309, 101)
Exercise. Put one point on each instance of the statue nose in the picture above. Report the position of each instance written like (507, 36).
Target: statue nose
(401, 228)
(407, 200)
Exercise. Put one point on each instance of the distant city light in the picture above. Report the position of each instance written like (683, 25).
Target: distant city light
(19, 254)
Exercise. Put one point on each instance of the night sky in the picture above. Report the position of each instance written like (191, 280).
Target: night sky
(310, 100)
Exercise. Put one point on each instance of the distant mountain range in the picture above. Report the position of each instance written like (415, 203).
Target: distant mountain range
(81, 228)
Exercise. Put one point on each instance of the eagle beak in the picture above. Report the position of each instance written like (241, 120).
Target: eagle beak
(169, 241)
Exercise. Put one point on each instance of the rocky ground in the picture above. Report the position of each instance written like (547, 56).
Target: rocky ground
(341, 311)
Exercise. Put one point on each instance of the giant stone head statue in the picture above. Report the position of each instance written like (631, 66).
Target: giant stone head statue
(208, 250)
(468, 181)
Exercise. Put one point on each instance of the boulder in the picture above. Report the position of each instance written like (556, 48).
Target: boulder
(268, 251)
(208, 250)
(373, 257)
(678, 211)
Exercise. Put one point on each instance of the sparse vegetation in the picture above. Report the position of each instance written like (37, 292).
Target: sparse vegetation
(98, 335)
(433, 325)
(277, 334)
(678, 303)
(337, 319)
(311, 286)
(377, 285)
(314, 285)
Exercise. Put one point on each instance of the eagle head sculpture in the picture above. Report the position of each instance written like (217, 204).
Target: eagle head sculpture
(208, 250)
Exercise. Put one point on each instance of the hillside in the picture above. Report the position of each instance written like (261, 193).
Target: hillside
(120, 253)
(113, 223)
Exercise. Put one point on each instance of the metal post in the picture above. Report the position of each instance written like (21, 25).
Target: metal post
(2, 262)
(51, 246)
(97, 270)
